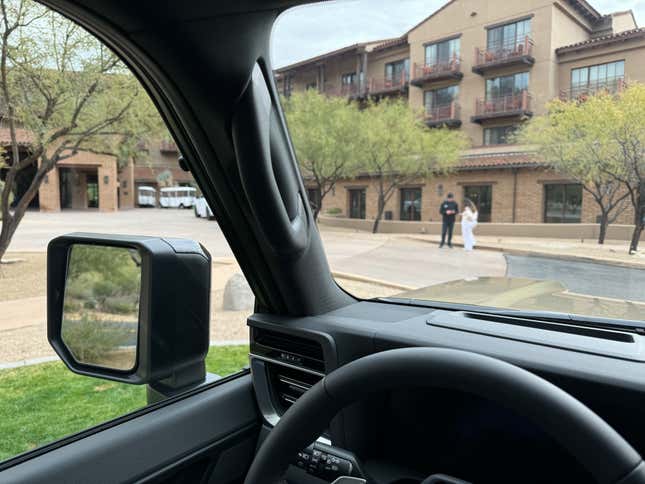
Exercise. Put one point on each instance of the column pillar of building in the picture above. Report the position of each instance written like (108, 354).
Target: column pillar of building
(49, 192)
(321, 78)
(126, 186)
(107, 179)
(365, 79)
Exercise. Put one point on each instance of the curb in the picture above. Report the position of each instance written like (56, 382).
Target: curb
(28, 362)
(370, 280)
(49, 359)
(547, 255)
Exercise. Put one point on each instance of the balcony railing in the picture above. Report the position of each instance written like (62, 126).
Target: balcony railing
(389, 85)
(503, 54)
(445, 114)
(353, 90)
(503, 106)
(448, 69)
(580, 92)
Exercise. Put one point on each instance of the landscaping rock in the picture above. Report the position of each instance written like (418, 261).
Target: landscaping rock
(238, 294)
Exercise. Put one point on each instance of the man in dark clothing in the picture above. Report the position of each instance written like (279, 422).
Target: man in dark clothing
(449, 210)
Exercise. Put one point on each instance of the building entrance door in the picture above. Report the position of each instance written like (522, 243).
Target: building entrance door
(66, 177)
(92, 191)
(357, 203)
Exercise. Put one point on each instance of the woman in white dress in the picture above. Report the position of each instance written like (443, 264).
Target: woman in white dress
(468, 224)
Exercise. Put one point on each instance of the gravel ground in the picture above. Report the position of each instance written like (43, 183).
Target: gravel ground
(26, 280)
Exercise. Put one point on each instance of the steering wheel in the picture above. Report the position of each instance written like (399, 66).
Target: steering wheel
(588, 438)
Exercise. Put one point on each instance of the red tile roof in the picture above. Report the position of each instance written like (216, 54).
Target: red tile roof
(326, 55)
(499, 160)
(23, 136)
(603, 40)
(403, 40)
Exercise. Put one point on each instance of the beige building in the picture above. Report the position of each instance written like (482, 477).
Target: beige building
(92, 181)
(484, 68)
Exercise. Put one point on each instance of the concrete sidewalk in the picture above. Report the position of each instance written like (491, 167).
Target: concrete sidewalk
(611, 253)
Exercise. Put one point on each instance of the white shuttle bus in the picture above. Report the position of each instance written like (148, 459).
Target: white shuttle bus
(146, 196)
(177, 197)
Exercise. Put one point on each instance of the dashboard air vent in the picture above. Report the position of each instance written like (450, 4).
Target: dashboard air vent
(289, 349)
(288, 385)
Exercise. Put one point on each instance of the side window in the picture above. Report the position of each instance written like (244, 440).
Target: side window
(562, 203)
(84, 149)
(498, 135)
(356, 203)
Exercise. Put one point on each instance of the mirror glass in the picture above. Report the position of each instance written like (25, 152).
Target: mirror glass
(101, 305)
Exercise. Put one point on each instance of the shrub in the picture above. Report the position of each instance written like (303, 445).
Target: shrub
(334, 211)
(91, 341)
(120, 305)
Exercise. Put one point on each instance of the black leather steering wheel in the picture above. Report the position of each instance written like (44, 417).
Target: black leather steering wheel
(588, 438)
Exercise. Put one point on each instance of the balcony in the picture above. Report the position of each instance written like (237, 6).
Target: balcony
(351, 91)
(389, 86)
(445, 115)
(440, 71)
(506, 54)
(611, 86)
(511, 106)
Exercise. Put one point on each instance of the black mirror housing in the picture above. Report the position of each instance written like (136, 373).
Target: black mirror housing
(174, 308)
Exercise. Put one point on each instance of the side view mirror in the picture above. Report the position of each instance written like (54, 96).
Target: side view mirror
(130, 308)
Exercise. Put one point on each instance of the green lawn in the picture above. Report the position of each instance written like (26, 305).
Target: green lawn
(42, 403)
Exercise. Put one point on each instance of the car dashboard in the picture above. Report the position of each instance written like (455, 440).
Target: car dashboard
(406, 435)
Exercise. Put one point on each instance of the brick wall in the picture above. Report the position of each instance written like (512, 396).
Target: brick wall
(529, 201)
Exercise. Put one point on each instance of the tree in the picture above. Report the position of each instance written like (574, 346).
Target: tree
(601, 142)
(568, 138)
(397, 148)
(624, 143)
(323, 132)
(66, 92)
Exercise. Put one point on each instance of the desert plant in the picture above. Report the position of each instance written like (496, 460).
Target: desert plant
(92, 341)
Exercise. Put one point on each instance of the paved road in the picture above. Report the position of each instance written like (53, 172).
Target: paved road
(379, 256)
(37, 228)
(582, 277)
(408, 262)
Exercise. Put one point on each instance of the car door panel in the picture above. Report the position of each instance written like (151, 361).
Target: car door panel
(193, 435)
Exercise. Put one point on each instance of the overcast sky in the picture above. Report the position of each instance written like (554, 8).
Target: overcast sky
(303, 32)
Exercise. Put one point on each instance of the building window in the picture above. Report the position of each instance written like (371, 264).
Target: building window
(410, 204)
(311, 85)
(313, 194)
(357, 203)
(397, 71)
(442, 52)
(508, 36)
(609, 76)
(507, 85)
(562, 203)
(482, 197)
(498, 135)
(439, 97)
(348, 79)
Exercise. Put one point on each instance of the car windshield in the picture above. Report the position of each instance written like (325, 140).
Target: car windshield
(473, 153)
